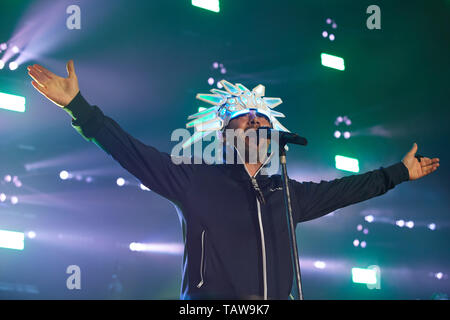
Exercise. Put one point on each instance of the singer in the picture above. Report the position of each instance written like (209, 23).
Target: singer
(233, 218)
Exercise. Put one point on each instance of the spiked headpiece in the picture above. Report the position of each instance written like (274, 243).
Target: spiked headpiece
(233, 102)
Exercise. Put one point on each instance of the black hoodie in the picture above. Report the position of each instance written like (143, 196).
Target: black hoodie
(236, 246)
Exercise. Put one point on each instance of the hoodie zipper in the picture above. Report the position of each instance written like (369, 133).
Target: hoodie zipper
(263, 248)
(202, 262)
(263, 244)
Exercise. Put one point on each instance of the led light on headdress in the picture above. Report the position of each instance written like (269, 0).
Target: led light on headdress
(233, 102)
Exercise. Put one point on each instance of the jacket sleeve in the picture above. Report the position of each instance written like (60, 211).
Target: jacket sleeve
(313, 200)
(154, 169)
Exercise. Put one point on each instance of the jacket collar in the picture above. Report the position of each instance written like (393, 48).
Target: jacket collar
(238, 171)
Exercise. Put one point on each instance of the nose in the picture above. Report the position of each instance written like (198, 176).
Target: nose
(253, 119)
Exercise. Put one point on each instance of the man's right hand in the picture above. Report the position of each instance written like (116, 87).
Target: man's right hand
(60, 91)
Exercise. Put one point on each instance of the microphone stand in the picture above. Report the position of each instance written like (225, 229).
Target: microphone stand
(290, 223)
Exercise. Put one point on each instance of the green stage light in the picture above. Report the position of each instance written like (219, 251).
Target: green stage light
(12, 240)
(346, 163)
(12, 102)
(212, 5)
(367, 276)
(331, 61)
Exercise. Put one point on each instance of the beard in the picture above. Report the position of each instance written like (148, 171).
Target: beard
(254, 149)
(251, 147)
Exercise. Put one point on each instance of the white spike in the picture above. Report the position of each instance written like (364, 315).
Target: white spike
(259, 90)
(232, 89)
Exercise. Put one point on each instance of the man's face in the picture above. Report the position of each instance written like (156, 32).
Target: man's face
(251, 120)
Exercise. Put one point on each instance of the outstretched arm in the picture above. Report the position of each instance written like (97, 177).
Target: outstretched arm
(153, 168)
(313, 200)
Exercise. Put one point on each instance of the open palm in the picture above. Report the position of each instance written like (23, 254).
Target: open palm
(418, 169)
(57, 89)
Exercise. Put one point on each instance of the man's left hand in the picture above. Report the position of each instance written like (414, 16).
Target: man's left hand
(418, 169)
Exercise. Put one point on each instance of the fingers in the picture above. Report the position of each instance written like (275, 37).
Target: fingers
(39, 77)
(46, 72)
(413, 149)
(425, 162)
(429, 165)
(429, 169)
(39, 88)
(70, 69)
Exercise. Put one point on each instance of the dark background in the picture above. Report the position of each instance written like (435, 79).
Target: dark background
(142, 62)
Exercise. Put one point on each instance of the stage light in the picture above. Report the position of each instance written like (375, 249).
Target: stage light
(215, 65)
(320, 264)
(348, 122)
(439, 275)
(410, 224)
(31, 234)
(136, 246)
(337, 134)
(346, 135)
(2, 64)
(210, 81)
(331, 61)
(359, 227)
(324, 34)
(170, 248)
(366, 231)
(12, 240)
(8, 178)
(432, 226)
(219, 85)
(120, 182)
(88, 179)
(223, 71)
(400, 223)
(355, 242)
(14, 200)
(2, 197)
(15, 49)
(78, 177)
(64, 175)
(346, 163)
(13, 65)
(212, 5)
(369, 218)
(334, 25)
(328, 21)
(367, 276)
(331, 37)
(363, 244)
(3, 46)
(12, 102)
(144, 187)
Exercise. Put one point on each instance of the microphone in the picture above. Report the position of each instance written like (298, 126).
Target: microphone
(284, 137)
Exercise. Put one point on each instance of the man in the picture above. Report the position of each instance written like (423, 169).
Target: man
(233, 218)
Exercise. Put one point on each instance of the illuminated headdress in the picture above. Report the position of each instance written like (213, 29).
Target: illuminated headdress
(233, 102)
